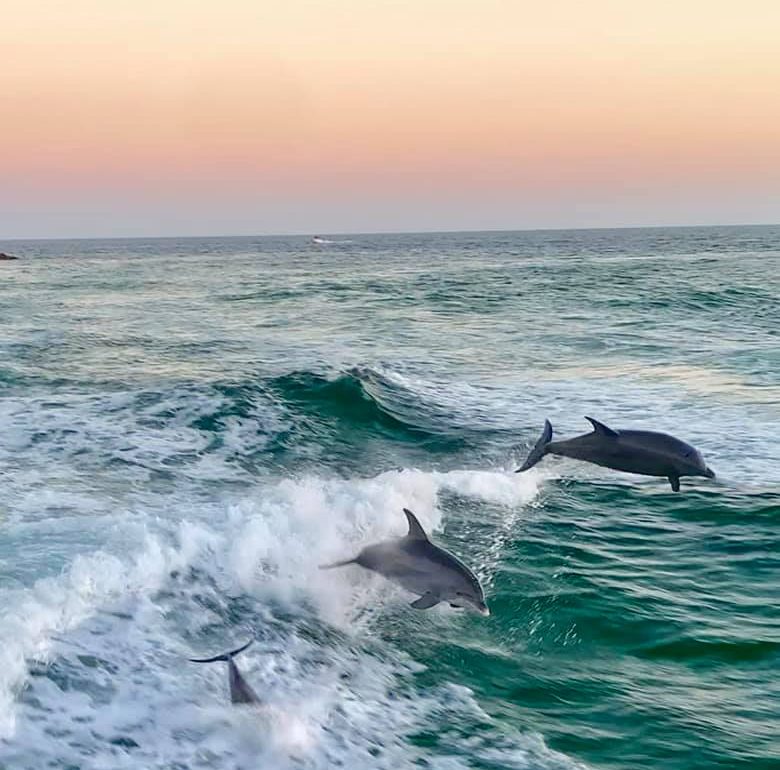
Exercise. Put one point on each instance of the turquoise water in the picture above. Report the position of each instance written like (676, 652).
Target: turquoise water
(190, 426)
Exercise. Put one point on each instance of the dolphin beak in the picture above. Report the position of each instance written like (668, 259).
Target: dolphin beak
(709, 473)
(483, 609)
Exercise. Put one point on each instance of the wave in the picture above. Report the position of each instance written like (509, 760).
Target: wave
(93, 659)
(223, 432)
(387, 398)
(354, 396)
(714, 651)
(343, 411)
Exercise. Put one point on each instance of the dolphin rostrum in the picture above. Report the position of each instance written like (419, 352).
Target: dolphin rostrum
(240, 691)
(634, 451)
(423, 568)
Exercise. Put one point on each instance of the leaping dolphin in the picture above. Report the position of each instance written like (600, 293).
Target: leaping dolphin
(635, 451)
(240, 691)
(423, 568)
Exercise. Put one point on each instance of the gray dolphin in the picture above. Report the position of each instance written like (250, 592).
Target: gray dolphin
(423, 568)
(240, 691)
(634, 451)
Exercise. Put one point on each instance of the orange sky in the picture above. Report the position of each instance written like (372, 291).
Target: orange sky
(169, 116)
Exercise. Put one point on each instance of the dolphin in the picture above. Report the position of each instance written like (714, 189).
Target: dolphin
(422, 568)
(240, 691)
(635, 451)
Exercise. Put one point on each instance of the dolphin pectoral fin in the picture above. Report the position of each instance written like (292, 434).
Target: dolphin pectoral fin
(675, 482)
(416, 532)
(540, 448)
(426, 601)
(599, 427)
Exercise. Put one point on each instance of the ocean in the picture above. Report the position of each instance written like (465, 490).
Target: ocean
(188, 427)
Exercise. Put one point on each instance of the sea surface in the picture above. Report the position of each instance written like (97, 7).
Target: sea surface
(188, 427)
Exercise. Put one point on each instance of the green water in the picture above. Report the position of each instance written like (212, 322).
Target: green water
(190, 426)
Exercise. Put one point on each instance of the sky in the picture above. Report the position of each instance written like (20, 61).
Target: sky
(188, 117)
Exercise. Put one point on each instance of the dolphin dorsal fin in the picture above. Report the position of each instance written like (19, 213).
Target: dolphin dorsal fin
(416, 532)
(599, 427)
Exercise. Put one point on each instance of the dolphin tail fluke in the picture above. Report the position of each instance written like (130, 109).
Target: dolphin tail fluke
(338, 564)
(224, 656)
(539, 450)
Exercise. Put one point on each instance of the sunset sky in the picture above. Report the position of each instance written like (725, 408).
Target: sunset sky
(164, 117)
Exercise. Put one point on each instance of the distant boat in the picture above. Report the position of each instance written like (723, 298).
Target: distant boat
(319, 240)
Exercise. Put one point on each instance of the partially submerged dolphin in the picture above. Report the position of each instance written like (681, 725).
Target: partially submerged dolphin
(423, 568)
(634, 451)
(240, 691)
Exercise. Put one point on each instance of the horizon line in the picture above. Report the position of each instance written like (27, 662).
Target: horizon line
(313, 233)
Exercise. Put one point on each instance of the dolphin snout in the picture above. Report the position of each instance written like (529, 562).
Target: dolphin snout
(709, 473)
(482, 609)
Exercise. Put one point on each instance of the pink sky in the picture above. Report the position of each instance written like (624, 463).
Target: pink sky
(184, 116)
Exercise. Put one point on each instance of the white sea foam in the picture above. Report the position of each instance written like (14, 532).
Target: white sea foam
(113, 630)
